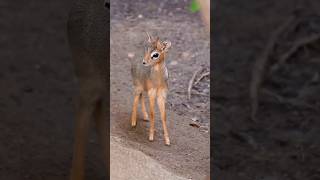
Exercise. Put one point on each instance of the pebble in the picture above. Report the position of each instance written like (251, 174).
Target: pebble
(131, 55)
(173, 63)
(185, 54)
(140, 16)
(206, 90)
(195, 119)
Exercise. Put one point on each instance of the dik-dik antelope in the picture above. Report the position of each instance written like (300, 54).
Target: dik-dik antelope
(150, 75)
(88, 26)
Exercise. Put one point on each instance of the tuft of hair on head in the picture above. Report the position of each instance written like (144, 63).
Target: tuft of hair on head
(149, 37)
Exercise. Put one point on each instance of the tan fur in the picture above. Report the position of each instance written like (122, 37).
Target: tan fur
(151, 78)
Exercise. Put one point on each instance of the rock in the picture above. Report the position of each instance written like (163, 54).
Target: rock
(195, 119)
(128, 163)
(206, 90)
(185, 54)
(173, 63)
(131, 55)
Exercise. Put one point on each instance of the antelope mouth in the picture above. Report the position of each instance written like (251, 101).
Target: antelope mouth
(145, 63)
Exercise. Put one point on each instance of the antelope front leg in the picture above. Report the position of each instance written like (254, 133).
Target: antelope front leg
(134, 110)
(161, 100)
(101, 118)
(143, 108)
(152, 98)
(83, 117)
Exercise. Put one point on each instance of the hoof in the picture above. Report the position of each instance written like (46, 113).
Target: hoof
(145, 118)
(167, 142)
(151, 138)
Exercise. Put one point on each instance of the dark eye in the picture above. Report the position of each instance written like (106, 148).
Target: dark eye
(155, 55)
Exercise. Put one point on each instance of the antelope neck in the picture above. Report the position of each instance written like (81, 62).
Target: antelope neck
(159, 66)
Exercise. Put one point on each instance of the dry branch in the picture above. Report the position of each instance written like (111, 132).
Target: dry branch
(293, 102)
(199, 93)
(298, 44)
(191, 82)
(201, 77)
(259, 67)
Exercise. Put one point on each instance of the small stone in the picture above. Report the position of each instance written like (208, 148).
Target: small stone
(185, 54)
(131, 55)
(173, 63)
(195, 119)
(140, 16)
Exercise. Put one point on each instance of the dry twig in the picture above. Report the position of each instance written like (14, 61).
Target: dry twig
(259, 67)
(199, 93)
(298, 44)
(293, 102)
(201, 77)
(191, 82)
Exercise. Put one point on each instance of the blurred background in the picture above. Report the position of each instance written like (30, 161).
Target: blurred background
(37, 91)
(271, 47)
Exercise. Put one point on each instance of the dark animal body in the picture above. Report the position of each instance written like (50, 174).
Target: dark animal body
(88, 29)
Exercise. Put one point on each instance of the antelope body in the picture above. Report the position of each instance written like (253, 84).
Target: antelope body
(151, 75)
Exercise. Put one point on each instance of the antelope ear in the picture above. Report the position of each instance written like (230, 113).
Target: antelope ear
(166, 45)
(149, 37)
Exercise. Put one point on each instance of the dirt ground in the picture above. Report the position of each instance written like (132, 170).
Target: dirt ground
(282, 143)
(188, 154)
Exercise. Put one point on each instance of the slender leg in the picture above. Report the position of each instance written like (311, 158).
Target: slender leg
(143, 108)
(161, 100)
(100, 117)
(134, 109)
(152, 97)
(84, 112)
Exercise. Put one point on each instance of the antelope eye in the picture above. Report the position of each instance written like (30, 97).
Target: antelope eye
(155, 55)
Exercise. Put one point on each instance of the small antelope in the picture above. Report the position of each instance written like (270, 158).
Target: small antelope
(151, 76)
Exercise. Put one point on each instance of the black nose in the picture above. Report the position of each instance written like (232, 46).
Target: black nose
(143, 62)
